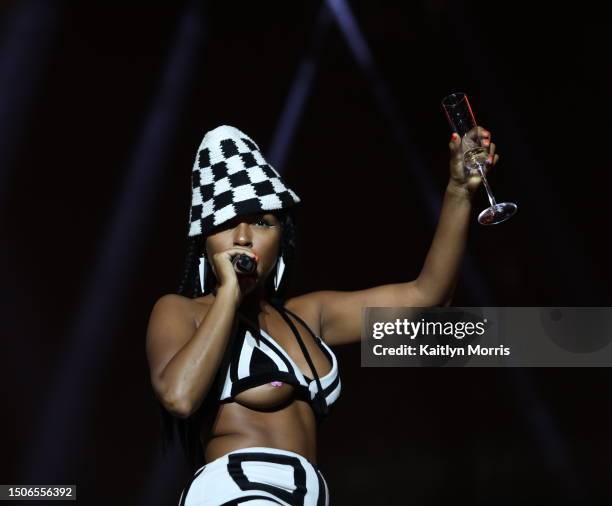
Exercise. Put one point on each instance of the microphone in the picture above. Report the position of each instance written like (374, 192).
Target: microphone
(244, 264)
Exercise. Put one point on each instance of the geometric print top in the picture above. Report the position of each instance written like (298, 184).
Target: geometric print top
(254, 362)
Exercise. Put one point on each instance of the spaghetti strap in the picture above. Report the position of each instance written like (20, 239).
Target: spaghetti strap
(302, 322)
(323, 401)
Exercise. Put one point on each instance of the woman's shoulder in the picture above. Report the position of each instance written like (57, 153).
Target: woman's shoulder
(308, 307)
(193, 309)
(200, 306)
(177, 298)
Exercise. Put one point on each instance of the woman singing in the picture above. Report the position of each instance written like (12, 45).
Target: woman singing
(245, 374)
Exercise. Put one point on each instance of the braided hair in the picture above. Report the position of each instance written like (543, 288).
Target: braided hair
(190, 286)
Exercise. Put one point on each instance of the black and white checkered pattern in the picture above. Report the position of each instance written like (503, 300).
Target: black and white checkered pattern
(230, 177)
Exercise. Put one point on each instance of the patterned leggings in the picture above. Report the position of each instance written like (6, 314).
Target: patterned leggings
(257, 476)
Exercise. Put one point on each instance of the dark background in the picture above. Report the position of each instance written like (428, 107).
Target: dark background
(84, 104)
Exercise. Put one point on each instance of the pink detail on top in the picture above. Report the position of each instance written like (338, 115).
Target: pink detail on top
(276, 383)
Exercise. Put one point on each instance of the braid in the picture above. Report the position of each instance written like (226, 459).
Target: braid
(288, 240)
(190, 284)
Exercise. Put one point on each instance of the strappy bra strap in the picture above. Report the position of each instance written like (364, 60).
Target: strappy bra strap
(302, 322)
(282, 310)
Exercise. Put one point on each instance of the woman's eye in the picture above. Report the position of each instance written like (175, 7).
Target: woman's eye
(262, 221)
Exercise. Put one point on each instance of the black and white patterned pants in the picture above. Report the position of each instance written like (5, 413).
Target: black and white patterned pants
(257, 476)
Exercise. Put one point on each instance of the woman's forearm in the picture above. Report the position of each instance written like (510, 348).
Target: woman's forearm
(191, 372)
(438, 277)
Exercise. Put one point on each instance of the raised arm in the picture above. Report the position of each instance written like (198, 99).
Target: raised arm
(340, 312)
(439, 275)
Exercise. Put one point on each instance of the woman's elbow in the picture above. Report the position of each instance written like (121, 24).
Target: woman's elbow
(178, 407)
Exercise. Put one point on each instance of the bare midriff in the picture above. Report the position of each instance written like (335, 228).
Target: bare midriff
(236, 426)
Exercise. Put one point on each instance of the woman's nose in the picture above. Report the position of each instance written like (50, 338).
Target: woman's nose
(242, 234)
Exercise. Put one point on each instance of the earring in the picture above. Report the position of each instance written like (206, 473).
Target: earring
(202, 272)
(280, 269)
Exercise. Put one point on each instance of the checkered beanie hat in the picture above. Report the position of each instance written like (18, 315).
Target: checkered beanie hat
(230, 177)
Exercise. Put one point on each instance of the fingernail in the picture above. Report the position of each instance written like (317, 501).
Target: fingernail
(453, 137)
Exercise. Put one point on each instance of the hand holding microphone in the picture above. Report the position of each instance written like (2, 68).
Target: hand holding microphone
(235, 270)
(232, 264)
(244, 264)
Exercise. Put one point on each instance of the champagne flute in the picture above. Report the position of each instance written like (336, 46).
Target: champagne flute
(461, 119)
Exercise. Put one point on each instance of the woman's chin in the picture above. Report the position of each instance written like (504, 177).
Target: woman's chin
(247, 283)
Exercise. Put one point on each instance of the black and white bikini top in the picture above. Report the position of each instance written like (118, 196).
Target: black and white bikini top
(256, 358)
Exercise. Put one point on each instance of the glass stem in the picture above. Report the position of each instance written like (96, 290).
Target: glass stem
(486, 185)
